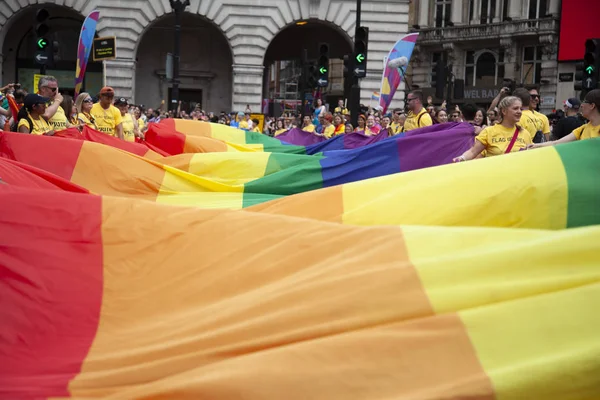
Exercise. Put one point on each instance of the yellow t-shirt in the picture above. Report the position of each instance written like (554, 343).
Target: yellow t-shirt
(243, 124)
(395, 128)
(40, 126)
(587, 131)
(106, 120)
(531, 122)
(87, 121)
(419, 120)
(309, 128)
(128, 128)
(141, 123)
(329, 131)
(545, 122)
(497, 138)
(58, 122)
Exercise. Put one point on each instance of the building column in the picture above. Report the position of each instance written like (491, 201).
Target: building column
(476, 12)
(424, 13)
(514, 9)
(498, 12)
(510, 61)
(247, 87)
(457, 12)
(120, 75)
(554, 8)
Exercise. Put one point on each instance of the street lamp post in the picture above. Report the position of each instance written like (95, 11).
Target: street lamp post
(355, 88)
(178, 7)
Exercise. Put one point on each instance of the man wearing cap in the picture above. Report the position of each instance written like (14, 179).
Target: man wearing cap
(130, 126)
(54, 114)
(108, 117)
(570, 122)
(33, 121)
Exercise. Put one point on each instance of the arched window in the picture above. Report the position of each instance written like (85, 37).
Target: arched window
(484, 68)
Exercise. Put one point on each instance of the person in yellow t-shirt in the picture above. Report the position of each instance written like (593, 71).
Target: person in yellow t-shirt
(137, 115)
(54, 114)
(307, 125)
(340, 109)
(328, 128)
(245, 123)
(108, 117)
(130, 128)
(545, 124)
(279, 127)
(397, 125)
(529, 120)
(256, 125)
(84, 104)
(34, 123)
(496, 139)
(418, 117)
(590, 109)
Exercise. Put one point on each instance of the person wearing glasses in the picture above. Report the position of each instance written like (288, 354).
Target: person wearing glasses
(108, 117)
(418, 117)
(590, 109)
(84, 104)
(533, 107)
(54, 114)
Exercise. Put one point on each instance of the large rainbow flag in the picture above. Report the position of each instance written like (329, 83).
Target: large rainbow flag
(129, 271)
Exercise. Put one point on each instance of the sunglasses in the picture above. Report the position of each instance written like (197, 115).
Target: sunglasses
(535, 96)
(51, 88)
(88, 101)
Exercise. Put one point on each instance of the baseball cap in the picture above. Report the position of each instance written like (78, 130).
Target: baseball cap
(120, 101)
(107, 90)
(573, 103)
(32, 99)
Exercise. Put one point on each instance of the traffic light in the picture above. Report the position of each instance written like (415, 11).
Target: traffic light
(312, 76)
(323, 65)
(438, 79)
(44, 52)
(347, 65)
(591, 64)
(359, 59)
(41, 25)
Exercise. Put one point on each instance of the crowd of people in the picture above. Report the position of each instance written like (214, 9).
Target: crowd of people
(511, 123)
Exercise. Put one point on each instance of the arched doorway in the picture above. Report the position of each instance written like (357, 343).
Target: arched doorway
(19, 48)
(205, 67)
(283, 59)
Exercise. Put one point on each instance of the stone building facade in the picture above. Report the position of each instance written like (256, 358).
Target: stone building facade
(224, 43)
(490, 42)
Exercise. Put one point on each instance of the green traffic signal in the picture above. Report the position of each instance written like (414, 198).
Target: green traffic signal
(42, 43)
(360, 58)
(589, 69)
(323, 70)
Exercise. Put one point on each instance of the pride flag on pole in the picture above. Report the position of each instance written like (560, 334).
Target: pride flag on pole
(400, 54)
(86, 39)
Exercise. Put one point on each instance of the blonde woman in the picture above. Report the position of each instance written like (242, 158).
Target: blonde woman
(84, 104)
(505, 137)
